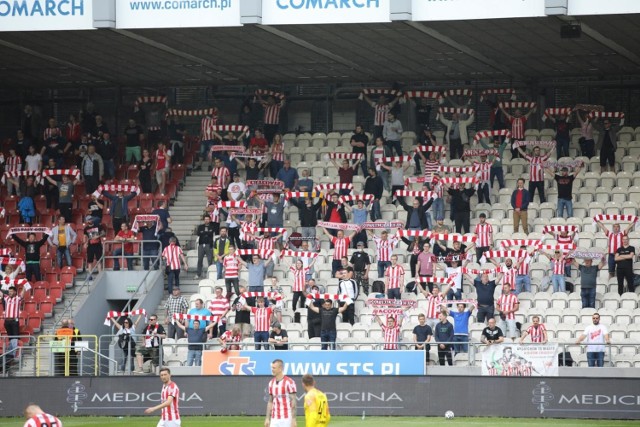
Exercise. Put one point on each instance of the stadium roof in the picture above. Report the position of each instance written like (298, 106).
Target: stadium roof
(518, 49)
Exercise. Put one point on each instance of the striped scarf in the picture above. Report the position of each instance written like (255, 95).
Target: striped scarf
(17, 283)
(298, 254)
(270, 229)
(346, 156)
(491, 133)
(232, 204)
(9, 175)
(451, 110)
(182, 316)
(549, 145)
(27, 230)
(454, 169)
(18, 262)
(506, 254)
(551, 229)
(606, 114)
(268, 92)
(423, 94)
(302, 194)
(268, 295)
(459, 180)
(453, 237)
(213, 111)
(481, 153)
(231, 128)
(149, 100)
(413, 233)
(393, 159)
(114, 314)
(363, 197)
(458, 92)
(477, 272)
(250, 252)
(518, 104)
(324, 187)
(429, 148)
(615, 218)
(520, 242)
(69, 172)
(245, 211)
(550, 112)
(116, 188)
(338, 225)
(145, 218)
(333, 297)
(486, 92)
(426, 195)
(382, 225)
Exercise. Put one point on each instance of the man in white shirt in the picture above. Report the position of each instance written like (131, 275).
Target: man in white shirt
(33, 160)
(596, 336)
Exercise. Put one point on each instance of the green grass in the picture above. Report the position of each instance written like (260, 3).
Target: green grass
(151, 421)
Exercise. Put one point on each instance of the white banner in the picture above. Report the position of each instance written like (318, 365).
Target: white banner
(46, 15)
(280, 12)
(532, 360)
(177, 13)
(457, 10)
(595, 7)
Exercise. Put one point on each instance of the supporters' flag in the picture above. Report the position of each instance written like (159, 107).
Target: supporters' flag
(518, 104)
(586, 255)
(426, 195)
(615, 218)
(265, 183)
(607, 115)
(333, 297)
(363, 197)
(145, 218)
(454, 237)
(490, 134)
(232, 204)
(486, 92)
(18, 262)
(550, 112)
(27, 230)
(549, 145)
(393, 159)
(149, 100)
(9, 175)
(268, 295)
(325, 187)
(237, 148)
(481, 153)
(116, 188)
(114, 314)
(551, 229)
(382, 302)
(451, 110)
(423, 94)
(413, 233)
(213, 111)
(454, 169)
(429, 148)
(261, 253)
(339, 225)
(346, 156)
(298, 254)
(199, 317)
(459, 180)
(62, 172)
(269, 93)
(520, 242)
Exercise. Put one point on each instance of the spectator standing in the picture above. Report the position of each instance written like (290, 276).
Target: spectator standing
(175, 304)
(425, 264)
(492, 334)
(596, 336)
(586, 141)
(608, 143)
(565, 190)
(340, 247)
(62, 237)
(508, 304)
(359, 142)
(537, 331)
(496, 171)
(219, 306)
(93, 234)
(108, 151)
(461, 326)
(456, 133)
(392, 133)
(422, 335)
(65, 195)
(374, 186)
(12, 307)
(126, 236)
(588, 281)
(425, 139)
(154, 333)
(444, 336)
(518, 125)
(13, 164)
(173, 255)
(242, 318)
(624, 258)
(313, 318)
(346, 171)
(423, 113)
(461, 208)
(416, 213)
(536, 172)
(257, 269)
(145, 165)
(196, 337)
(199, 310)
(271, 117)
(223, 174)
(614, 241)
(262, 322)
(308, 213)
(375, 161)
(384, 249)
(126, 342)
(92, 169)
(33, 160)
(484, 231)
(328, 314)
(348, 286)
(390, 332)
(563, 136)
(161, 165)
(394, 279)
(484, 290)
(381, 108)
(483, 173)
(298, 273)
(119, 209)
(134, 136)
(205, 233)
(558, 263)
(32, 254)
(150, 245)
(520, 203)
(220, 250)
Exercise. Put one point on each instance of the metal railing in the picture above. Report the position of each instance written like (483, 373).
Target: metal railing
(68, 355)
(12, 359)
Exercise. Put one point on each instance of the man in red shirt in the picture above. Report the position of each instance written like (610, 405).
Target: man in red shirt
(124, 235)
(258, 145)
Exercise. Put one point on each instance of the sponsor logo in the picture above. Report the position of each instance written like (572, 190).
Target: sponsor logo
(327, 4)
(542, 396)
(545, 401)
(76, 395)
(42, 8)
(238, 366)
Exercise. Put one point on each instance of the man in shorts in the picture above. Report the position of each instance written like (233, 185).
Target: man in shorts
(281, 406)
(316, 406)
(169, 396)
(93, 233)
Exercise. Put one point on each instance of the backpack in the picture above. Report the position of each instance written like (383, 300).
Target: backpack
(123, 341)
(377, 287)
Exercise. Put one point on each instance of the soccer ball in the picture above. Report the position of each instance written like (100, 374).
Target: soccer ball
(449, 415)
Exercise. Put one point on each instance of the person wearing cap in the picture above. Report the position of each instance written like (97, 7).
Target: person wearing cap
(565, 189)
(278, 337)
(328, 314)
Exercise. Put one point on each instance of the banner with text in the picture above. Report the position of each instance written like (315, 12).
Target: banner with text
(403, 362)
(177, 13)
(46, 15)
(533, 360)
(280, 12)
(457, 10)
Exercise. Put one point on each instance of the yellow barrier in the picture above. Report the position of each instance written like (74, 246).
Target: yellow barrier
(64, 349)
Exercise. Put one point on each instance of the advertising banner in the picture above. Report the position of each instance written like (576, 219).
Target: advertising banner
(533, 360)
(557, 397)
(177, 13)
(595, 7)
(457, 10)
(403, 362)
(281, 12)
(46, 15)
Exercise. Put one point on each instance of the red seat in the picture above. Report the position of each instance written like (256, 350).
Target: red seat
(78, 260)
(178, 173)
(46, 218)
(132, 173)
(30, 306)
(83, 203)
(53, 275)
(55, 293)
(35, 323)
(46, 307)
(67, 276)
(121, 172)
(159, 197)
(146, 202)
(11, 203)
(14, 219)
(46, 262)
(39, 293)
(41, 204)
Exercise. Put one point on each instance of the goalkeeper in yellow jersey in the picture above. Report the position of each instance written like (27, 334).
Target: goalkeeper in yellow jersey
(316, 407)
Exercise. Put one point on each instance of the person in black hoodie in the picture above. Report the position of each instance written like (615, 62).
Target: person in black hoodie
(308, 212)
(32, 254)
(461, 208)
(108, 150)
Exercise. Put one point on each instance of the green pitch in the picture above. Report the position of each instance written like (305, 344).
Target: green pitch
(151, 421)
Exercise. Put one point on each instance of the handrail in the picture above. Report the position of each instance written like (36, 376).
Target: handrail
(98, 355)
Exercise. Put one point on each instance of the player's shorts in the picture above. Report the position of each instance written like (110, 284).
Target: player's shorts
(172, 423)
(286, 422)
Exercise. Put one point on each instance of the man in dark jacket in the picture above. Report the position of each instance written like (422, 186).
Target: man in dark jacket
(520, 205)
(416, 213)
(119, 209)
(374, 185)
(461, 208)
(108, 150)
(308, 212)
(444, 335)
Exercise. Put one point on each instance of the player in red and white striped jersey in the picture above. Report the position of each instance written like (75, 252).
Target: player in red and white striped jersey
(614, 241)
(537, 331)
(391, 332)
(394, 279)
(172, 255)
(340, 247)
(262, 322)
(36, 417)
(170, 394)
(282, 404)
(507, 304)
(219, 306)
(484, 231)
(536, 172)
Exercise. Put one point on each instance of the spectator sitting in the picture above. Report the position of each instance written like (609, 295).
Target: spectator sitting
(278, 337)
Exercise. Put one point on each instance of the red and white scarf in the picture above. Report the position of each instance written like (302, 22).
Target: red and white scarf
(518, 104)
(477, 272)
(606, 114)
(213, 111)
(586, 255)
(552, 229)
(459, 180)
(486, 92)
(480, 153)
(149, 100)
(298, 254)
(382, 225)
(245, 211)
(454, 169)
(393, 159)
(270, 230)
(520, 242)
(559, 165)
(268, 295)
(491, 133)
(363, 197)
(549, 145)
(346, 156)
(232, 204)
(324, 187)
(68, 172)
(231, 128)
(27, 230)
(452, 110)
(413, 233)
(235, 148)
(338, 225)
(116, 188)
(390, 306)
(268, 92)
(565, 247)
(432, 94)
(458, 92)
(550, 112)
(373, 91)
(426, 195)
(264, 254)
(145, 218)
(454, 237)
(615, 218)
(200, 317)
(302, 194)
(18, 262)
(17, 282)
(437, 280)
(114, 314)
(265, 183)
(8, 175)
(429, 148)
(332, 297)
(517, 254)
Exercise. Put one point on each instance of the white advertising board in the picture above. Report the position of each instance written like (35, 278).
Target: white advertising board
(455, 10)
(46, 15)
(280, 12)
(599, 7)
(177, 13)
